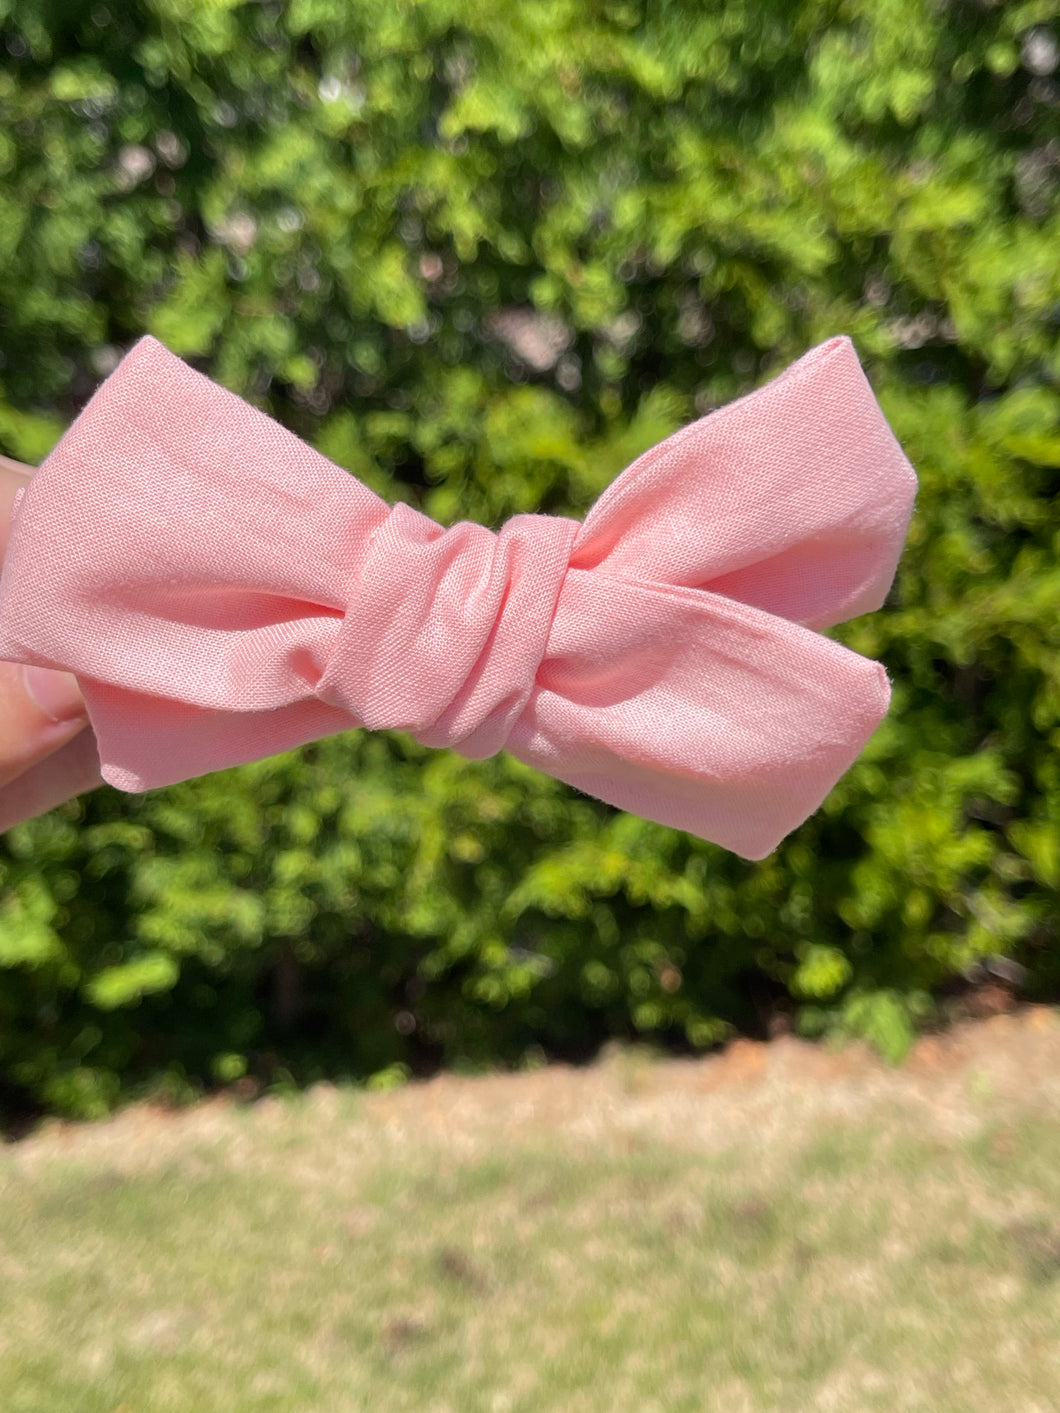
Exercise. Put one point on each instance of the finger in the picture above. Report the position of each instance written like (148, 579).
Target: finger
(17, 468)
(13, 477)
(46, 754)
(68, 772)
(40, 710)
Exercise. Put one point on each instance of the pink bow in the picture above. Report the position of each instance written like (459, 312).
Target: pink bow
(224, 592)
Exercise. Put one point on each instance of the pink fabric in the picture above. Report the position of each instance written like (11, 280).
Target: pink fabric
(224, 592)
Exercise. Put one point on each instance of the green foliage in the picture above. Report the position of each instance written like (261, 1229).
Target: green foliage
(483, 255)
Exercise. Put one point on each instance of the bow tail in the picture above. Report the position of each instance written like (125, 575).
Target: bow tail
(696, 711)
(146, 742)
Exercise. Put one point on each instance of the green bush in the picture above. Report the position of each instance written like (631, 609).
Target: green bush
(482, 255)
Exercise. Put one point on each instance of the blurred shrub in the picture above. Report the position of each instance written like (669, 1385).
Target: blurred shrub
(483, 255)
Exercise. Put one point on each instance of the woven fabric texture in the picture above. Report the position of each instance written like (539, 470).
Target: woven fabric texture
(224, 592)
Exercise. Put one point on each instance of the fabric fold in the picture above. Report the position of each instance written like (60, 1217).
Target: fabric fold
(223, 592)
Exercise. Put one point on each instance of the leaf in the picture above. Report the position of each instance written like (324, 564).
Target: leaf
(126, 984)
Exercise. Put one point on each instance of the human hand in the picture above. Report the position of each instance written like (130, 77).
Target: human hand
(47, 749)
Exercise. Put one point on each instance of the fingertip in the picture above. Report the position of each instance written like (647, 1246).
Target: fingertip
(55, 693)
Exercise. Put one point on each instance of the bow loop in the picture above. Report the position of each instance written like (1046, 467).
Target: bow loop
(794, 498)
(686, 705)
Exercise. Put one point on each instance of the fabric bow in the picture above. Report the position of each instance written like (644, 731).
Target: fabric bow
(224, 592)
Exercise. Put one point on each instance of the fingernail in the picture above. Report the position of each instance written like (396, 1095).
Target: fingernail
(56, 693)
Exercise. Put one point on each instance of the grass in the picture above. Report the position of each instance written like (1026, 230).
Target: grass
(627, 1251)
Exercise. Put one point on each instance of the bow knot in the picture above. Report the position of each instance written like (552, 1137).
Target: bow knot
(444, 630)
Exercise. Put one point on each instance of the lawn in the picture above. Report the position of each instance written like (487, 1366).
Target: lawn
(777, 1229)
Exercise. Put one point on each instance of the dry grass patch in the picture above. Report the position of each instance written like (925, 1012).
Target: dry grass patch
(806, 1232)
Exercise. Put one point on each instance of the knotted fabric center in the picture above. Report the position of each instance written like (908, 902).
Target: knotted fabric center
(445, 629)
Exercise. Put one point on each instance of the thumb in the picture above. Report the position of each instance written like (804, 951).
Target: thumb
(40, 710)
(14, 476)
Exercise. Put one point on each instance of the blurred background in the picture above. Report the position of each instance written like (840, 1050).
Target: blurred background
(482, 255)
